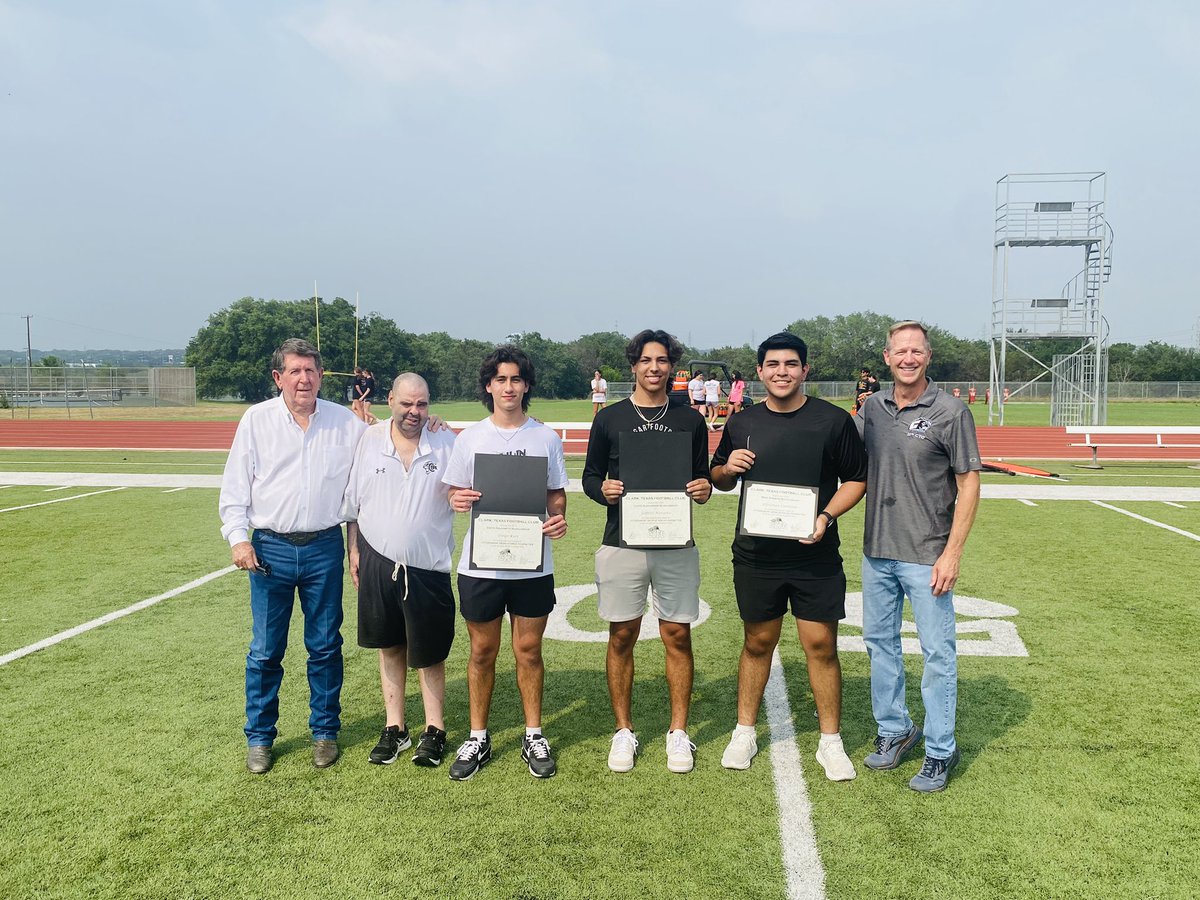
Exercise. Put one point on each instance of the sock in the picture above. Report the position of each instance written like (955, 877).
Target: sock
(744, 729)
(479, 735)
(531, 732)
(835, 738)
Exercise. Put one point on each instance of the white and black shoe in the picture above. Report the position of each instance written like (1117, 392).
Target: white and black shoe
(536, 751)
(472, 756)
(392, 741)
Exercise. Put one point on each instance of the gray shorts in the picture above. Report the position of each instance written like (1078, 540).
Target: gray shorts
(625, 574)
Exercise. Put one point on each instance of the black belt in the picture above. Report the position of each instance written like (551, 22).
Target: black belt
(299, 538)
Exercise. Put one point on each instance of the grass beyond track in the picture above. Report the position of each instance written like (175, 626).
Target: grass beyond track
(123, 771)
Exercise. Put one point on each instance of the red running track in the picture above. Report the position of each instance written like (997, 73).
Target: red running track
(995, 442)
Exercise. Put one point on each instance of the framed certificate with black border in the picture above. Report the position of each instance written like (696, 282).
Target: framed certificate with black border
(655, 510)
(506, 520)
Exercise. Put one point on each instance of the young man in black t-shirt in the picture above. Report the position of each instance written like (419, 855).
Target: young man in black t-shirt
(804, 441)
(624, 574)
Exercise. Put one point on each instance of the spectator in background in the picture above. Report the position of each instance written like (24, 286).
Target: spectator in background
(599, 392)
(736, 390)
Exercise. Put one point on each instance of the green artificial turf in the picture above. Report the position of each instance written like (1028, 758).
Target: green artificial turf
(123, 772)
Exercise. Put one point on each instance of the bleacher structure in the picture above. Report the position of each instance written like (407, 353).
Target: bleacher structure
(1064, 209)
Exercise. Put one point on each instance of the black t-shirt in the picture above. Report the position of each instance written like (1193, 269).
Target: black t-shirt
(602, 455)
(816, 445)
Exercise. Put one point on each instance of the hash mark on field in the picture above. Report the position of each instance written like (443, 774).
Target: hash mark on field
(1133, 515)
(801, 862)
(61, 499)
(112, 616)
(61, 487)
(1176, 505)
(1026, 502)
(173, 490)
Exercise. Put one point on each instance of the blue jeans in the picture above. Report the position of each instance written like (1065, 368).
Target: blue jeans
(885, 584)
(315, 571)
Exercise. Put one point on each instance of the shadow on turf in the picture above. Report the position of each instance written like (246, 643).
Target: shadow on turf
(988, 708)
(575, 708)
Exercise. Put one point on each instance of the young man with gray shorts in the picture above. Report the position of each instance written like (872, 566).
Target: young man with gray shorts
(625, 574)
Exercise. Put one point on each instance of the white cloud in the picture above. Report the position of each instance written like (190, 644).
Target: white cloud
(836, 16)
(471, 45)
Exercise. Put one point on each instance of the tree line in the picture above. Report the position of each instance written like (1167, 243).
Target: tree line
(231, 352)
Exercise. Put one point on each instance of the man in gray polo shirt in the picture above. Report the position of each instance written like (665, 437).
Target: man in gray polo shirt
(922, 493)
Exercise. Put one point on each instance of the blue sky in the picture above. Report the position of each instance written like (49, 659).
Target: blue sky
(716, 169)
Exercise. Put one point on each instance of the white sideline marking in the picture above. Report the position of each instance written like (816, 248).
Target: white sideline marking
(1026, 502)
(112, 616)
(63, 487)
(801, 862)
(173, 490)
(61, 500)
(1176, 505)
(1133, 515)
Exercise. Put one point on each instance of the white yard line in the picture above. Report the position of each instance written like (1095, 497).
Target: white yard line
(1176, 505)
(112, 616)
(173, 490)
(1026, 502)
(801, 861)
(61, 499)
(65, 487)
(1133, 515)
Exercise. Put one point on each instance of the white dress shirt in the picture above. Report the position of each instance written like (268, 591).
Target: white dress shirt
(403, 513)
(281, 477)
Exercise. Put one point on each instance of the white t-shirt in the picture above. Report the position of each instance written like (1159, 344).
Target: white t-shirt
(531, 439)
(403, 513)
(712, 391)
(696, 388)
(599, 390)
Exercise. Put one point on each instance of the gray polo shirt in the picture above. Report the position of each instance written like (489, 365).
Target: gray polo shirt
(913, 455)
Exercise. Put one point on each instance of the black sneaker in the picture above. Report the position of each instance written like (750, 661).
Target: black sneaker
(391, 742)
(472, 756)
(536, 751)
(431, 746)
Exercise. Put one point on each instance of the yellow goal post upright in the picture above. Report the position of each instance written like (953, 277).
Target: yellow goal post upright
(317, 320)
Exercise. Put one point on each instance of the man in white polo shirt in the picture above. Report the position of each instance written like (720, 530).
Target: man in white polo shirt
(506, 378)
(400, 537)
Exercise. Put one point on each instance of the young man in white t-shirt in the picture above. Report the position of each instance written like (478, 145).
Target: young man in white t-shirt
(505, 380)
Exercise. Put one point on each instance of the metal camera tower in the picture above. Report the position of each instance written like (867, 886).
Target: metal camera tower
(1063, 209)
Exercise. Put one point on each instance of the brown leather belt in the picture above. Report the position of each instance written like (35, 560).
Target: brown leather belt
(298, 538)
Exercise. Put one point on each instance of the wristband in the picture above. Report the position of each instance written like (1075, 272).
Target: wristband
(829, 517)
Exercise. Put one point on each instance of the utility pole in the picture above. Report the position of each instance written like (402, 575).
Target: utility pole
(28, 369)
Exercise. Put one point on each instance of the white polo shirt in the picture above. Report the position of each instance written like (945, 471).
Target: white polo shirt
(403, 513)
(281, 477)
(531, 439)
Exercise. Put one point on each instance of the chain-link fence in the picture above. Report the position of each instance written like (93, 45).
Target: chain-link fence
(1039, 390)
(84, 386)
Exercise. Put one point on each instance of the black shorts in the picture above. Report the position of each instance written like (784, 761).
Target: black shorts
(414, 610)
(763, 595)
(486, 599)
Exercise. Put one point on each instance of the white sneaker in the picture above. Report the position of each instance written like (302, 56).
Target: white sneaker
(623, 752)
(679, 752)
(832, 755)
(742, 748)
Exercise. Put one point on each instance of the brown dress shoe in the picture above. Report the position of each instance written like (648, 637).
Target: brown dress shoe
(325, 753)
(258, 760)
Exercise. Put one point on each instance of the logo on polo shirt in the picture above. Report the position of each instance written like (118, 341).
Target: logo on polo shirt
(918, 427)
(430, 467)
(382, 471)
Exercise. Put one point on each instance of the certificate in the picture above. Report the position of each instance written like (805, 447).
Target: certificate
(655, 509)
(507, 542)
(656, 519)
(778, 510)
(506, 520)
